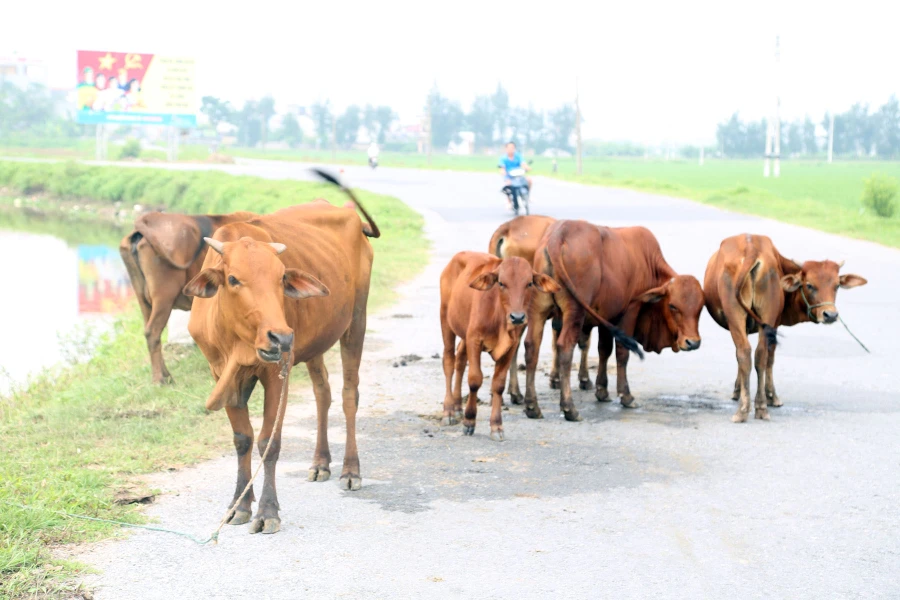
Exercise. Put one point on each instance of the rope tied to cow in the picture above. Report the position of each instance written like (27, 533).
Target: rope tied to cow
(810, 307)
(285, 363)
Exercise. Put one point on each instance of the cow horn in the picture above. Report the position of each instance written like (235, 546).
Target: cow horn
(215, 245)
(841, 264)
(279, 248)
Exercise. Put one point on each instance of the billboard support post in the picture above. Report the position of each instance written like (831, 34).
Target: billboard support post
(100, 152)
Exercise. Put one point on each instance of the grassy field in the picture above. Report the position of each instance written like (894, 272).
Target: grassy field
(75, 440)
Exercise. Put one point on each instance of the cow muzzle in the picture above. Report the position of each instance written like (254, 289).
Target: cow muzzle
(690, 345)
(279, 344)
(517, 318)
(829, 316)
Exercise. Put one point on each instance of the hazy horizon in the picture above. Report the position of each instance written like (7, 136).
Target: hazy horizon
(658, 73)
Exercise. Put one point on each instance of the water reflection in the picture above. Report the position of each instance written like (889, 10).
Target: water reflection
(103, 284)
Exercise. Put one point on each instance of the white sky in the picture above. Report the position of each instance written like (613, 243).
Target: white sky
(652, 72)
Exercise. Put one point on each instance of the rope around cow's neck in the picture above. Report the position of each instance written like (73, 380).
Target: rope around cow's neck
(809, 308)
(287, 360)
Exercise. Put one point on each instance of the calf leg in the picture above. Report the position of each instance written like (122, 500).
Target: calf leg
(267, 519)
(605, 347)
(534, 335)
(501, 367)
(742, 351)
(515, 394)
(153, 328)
(461, 359)
(351, 356)
(584, 344)
(243, 443)
(320, 470)
(555, 326)
(762, 361)
(771, 396)
(449, 362)
(573, 321)
(475, 380)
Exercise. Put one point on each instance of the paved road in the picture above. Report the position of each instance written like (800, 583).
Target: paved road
(669, 500)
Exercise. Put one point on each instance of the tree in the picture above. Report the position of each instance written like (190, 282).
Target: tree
(792, 138)
(481, 121)
(500, 111)
(216, 110)
(249, 125)
(384, 117)
(370, 122)
(322, 118)
(347, 126)
(535, 130)
(291, 131)
(888, 128)
(266, 109)
(810, 143)
(562, 124)
(447, 119)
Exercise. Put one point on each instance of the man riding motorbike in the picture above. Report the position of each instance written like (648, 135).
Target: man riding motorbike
(510, 161)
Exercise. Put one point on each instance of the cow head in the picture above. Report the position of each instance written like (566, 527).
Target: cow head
(517, 282)
(816, 285)
(677, 305)
(251, 283)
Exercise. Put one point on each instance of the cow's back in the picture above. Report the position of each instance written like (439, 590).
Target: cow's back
(519, 237)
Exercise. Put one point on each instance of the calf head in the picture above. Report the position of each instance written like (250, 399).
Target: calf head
(817, 284)
(675, 308)
(517, 283)
(253, 283)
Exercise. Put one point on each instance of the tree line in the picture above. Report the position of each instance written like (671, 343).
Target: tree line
(858, 132)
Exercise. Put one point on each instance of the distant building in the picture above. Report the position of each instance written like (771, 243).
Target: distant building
(23, 71)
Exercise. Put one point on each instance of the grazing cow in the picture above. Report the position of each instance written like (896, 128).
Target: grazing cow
(484, 301)
(609, 275)
(750, 287)
(243, 325)
(162, 254)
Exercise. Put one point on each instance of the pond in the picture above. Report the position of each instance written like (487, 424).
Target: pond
(55, 298)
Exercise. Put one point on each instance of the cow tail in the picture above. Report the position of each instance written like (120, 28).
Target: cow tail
(554, 253)
(751, 260)
(498, 240)
(371, 230)
(128, 252)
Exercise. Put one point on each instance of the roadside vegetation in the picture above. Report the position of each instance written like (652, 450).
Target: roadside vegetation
(77, 437)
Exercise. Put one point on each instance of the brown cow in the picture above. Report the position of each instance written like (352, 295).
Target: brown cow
(609, 275)
(162, 254)
(484, 301)
(242, 324)
(749, 286)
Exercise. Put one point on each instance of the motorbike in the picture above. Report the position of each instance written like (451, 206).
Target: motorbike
(517, 190)
(373, 162)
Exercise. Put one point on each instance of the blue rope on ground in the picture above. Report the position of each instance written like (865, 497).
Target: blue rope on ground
(213, 538)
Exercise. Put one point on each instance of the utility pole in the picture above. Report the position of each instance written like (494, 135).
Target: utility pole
(773, 131)
(333, 138)
(428, 138)
(577, 131)
(830, 136)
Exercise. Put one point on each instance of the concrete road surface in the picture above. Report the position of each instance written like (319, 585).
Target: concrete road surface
(671, 500)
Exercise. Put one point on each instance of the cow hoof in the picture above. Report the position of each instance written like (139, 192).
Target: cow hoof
(572, 415)
(351, 482)
(761, 413)
(468, 429)
(240, 517)
(585, 384)
(516, 398)
(775, 402)
(554, 383)
(450, 420)
(533, 411)
(270, 525)
(602, 395)
(628, 401)
(738, 417)
(497, 436)
(735, 398)
(318, 474)
(164, 380)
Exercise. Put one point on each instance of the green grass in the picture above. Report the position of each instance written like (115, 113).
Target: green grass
(74, 438)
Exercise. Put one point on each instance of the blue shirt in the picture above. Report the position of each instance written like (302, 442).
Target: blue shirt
(508, 163)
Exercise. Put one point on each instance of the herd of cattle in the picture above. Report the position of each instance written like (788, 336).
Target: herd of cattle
(234, 271)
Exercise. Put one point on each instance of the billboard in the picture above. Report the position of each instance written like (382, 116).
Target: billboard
(135, 89)
(103, 284)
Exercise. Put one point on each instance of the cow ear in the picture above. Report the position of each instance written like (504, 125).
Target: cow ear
(299, 284)
(206, 283)
(851, 281)
(545, 283)
(791, 283)
(484, 282)
(652, 296)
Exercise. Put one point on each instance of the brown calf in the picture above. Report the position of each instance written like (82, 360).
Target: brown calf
(485, 302)
(749, 286)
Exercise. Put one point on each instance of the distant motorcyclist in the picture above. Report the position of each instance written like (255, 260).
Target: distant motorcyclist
(373, 154)
(512, 160)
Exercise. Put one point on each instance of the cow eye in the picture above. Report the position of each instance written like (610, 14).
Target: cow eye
(501, 284)
(810, 287)
(232, 281)
(673, 308)
(530, 284)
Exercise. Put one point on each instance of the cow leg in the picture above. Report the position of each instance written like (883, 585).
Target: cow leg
(762, 362)
(737, 387)
(243, 443)
(153, 328)
(573, 322)
(742, 351)
(475, 380)
(351, 357)
(267, 519)
(320, 470)
(555, 326)
(771, 396)
(449, 362)
(515, 394)
(622, 387)
(584, 344)
(501, 367)
(534, 335)
(461, 359)
(605, 347)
